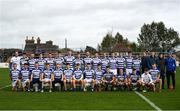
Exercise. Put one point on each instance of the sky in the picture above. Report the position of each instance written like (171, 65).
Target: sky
(82, 22)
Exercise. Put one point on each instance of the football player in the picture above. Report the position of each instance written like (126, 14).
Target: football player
(68, 76)
(155, 74)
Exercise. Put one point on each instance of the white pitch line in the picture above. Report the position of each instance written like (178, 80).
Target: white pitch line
(148, 101)
(5, 87)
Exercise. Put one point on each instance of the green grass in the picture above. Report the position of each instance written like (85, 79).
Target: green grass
(85, 100)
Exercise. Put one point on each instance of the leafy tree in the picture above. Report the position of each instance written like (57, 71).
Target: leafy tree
(156, 36)
(90, 49)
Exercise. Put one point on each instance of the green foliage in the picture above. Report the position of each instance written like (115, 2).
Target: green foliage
(90, 49)
(156, 36)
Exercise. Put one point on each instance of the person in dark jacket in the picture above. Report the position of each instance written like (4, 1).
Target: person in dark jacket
(152, 60)
(144, 61)
(170, 63)
(161, 68)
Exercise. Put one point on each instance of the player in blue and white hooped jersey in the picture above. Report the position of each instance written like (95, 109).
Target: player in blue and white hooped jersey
(41, 61)
(120, 79)
(129, 63)
(95, 61)
(120, 62)
(112, 64)
(68, 77)
(50, 61)
(98, 77)
(46, 77)
(58, 75)
(88, 77)
(105, 62)
(69, 59)
(35, 77)
(59, 60)
(155, 74)
(78, 77)
(87, 60)
(135, 80)
(78, 60)
(15, 77)
(137, 64)
(31, 62)
(23, 60)
(109, 78)
(25, 78)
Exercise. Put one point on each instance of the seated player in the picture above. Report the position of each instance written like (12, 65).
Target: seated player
(108, 78)
(78, 77)
(89, 77)
(155, 74)
(15, 77)
(146, 80)
(58, 75)
(25, 77)
(128, 82)
(120, 79)
(68, 77)
(35, 77)
(98, 77)
(135, 79)
(46, 77)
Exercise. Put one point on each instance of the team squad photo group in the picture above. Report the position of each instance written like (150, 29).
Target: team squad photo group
(92, 73)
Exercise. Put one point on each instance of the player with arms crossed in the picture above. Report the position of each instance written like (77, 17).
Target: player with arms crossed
(89, 77)
(15, 77)
(112, 64)
(120, 79)
(155, 74)
(135, 80)
(47, 77)
(35, 77)
(78, 77)
(146, 80)
(25, 77)
(105, 62)
(68, 77)
(98, 77)
(58, 75)
(69, 59)
(109, 79)
(95, 61)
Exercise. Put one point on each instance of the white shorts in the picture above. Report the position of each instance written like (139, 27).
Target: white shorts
(14, 83)
(114, 71)
(128, 71)
(88, 80)
(47, 80)
(24, 82)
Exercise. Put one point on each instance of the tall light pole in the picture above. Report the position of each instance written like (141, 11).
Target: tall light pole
(65, 43)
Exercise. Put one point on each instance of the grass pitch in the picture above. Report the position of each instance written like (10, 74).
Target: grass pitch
(125, 100)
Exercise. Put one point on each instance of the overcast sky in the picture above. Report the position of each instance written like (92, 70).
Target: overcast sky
(82, 22)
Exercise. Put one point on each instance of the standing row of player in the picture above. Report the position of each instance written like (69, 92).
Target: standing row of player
(114, 62)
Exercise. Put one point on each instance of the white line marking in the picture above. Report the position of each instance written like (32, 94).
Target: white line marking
(148, 101)
(5, 87)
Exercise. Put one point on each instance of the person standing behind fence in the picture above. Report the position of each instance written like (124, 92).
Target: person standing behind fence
(161, 68)
(170, 63)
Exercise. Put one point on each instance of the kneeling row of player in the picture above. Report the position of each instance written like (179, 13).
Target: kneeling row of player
(95, 79)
